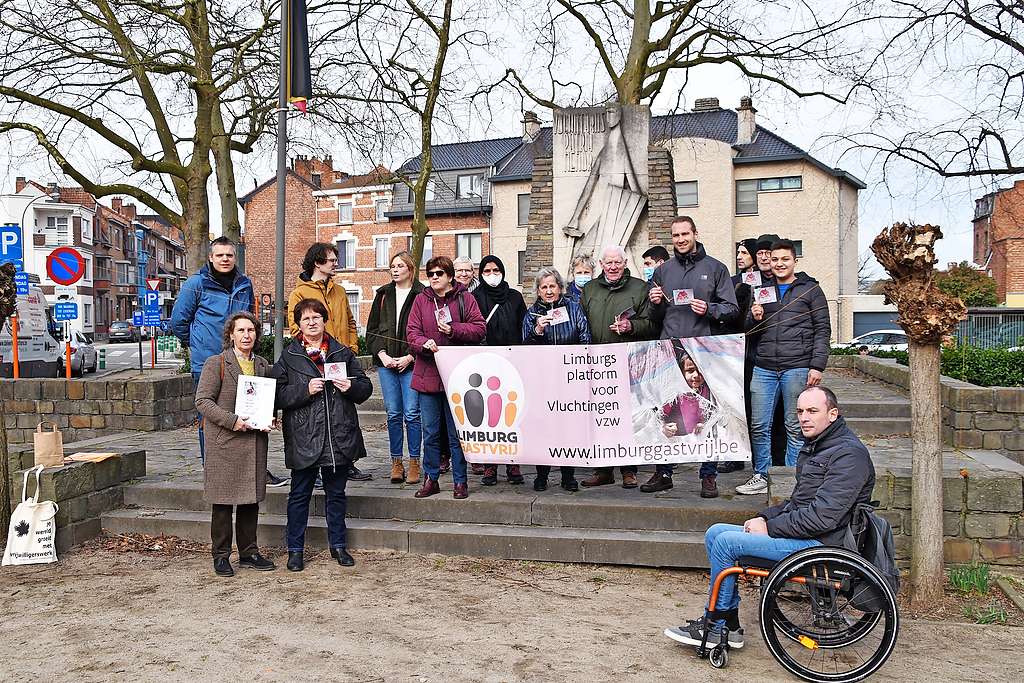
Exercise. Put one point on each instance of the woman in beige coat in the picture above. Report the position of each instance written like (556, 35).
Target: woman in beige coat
(235, 476)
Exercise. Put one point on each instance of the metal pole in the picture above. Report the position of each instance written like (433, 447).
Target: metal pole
(67, 350)
(282, 174)
(14, 346)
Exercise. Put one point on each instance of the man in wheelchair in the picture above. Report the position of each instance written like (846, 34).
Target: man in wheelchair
(834, 474)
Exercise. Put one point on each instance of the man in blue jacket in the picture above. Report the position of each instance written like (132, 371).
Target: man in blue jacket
(203, 306)
(834, 474)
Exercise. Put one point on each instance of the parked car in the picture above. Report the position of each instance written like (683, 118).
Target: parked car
(879, 340)
(84, 357)
(122, 331)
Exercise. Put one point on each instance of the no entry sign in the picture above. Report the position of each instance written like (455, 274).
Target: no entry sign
(65, 266)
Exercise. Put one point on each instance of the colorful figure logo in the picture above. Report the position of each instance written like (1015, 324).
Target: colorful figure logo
(486, 392)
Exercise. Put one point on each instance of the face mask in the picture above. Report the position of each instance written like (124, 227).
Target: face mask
(648, 272)
(581, 280)
(493, 279)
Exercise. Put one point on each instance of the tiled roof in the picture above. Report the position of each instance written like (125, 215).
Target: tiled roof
(476, 154)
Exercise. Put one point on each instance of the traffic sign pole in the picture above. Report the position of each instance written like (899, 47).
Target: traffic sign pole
(67, 350)
(14, 346)
(152, 349)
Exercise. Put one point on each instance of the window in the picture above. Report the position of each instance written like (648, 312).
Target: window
(381, 207)
(86, 229)
(86, 313)
(122, 273)
(799, 244)
(430, 192)
(346, 254)
(428, 249)
(522, 266)
(381, 246)
(315, 179)
(56, 230)
(353, 304)
(345, 214)
(87, 269)
(746, 197)
(777, 184)
(524, 208)
(686, 193)
(468, 246)
(469, 186)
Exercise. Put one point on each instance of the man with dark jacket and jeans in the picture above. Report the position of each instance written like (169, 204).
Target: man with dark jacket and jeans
(792, 321)
(691, 295)
(834, 474)
(617, 310)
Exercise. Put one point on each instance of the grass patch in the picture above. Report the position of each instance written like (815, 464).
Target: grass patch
(990, 614)
(971, 578)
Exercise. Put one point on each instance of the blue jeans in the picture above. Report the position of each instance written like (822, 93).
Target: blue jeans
(402, 404)
(707, 469)
(433, 409)
(727, 542)
(765, 387)
(202, 438)
(301, 492)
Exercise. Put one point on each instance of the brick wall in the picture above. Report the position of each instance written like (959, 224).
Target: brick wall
(1006, 236)
(539, 245)
(661, 202)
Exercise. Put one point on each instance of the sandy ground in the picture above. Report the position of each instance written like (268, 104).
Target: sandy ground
(101, 615)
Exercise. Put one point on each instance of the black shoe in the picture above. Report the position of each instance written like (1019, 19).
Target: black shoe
(257, 562)
(570, 485)
(356, 474)
(295, 563)
(222, 567)
(659, 482)
(540, 484)
(342, 556)
(490, 476)
(274, 481)
(733, 466)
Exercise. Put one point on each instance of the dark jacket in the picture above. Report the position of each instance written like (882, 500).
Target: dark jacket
(502, 307)
(201, 309)
(576, 331)
(387, 325)
(322, 429)
(423, 326)
(709, 279)
(794, 332)
(833, 474)
(603, 301)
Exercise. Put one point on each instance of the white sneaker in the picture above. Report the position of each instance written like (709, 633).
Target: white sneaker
(755, 485)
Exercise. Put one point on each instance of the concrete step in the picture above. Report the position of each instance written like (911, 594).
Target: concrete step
(512, 542)
(878, 426)
(680, 509)
(876, 409)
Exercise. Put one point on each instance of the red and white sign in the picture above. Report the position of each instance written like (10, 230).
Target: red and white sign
(153, 284)
(65, 266)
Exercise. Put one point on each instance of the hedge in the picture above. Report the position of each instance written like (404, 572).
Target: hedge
(983, 367)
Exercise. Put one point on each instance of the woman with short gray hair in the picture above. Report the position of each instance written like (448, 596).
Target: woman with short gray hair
(582, 271)
(554, 318)
(464, 273)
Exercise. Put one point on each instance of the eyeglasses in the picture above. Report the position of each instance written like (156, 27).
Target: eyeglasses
(330, 260)
(435, 273)
(463, 270)
(313, 319)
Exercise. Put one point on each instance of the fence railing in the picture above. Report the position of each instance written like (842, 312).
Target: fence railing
(991, 328)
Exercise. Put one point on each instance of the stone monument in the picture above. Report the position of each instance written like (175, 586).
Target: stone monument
(600, 182)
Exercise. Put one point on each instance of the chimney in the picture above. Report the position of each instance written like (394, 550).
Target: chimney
(115, 204)
(19, 183)
(746, 122)
(531, 126)
(53, 191)
(706, 104)
(128, 210)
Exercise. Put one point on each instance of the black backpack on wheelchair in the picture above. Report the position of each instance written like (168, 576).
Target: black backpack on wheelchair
(870, 536)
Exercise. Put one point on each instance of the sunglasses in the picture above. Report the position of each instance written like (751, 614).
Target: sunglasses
(435, 273)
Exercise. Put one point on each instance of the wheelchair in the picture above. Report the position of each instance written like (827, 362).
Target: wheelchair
(826, 614)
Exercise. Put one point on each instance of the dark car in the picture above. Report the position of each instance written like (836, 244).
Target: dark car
(122, 331)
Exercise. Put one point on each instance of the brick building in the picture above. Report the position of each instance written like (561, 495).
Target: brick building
(999, 241)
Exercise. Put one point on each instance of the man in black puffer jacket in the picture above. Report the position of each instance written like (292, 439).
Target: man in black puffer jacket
(792, 321)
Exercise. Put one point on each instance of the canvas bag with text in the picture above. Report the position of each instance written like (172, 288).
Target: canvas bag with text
(31, 538)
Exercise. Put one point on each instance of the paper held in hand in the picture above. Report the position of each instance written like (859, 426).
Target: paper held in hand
(443, 314)
(682, 297)
(334, 371)
(254, 401)
(765, 295)
(559, 315)
(752, 278)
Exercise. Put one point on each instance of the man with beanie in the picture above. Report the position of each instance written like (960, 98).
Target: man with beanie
(793, 321)
(691, 295)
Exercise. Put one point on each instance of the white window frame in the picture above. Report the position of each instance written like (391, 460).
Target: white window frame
(680, 201)
(465, 243)
(54, 230)
(380, 208)
(749, 187)
(519, 209)
(379, 242)
(469, 192)
(353, 306)
(428, 249)
(351, 210)
(346, 254)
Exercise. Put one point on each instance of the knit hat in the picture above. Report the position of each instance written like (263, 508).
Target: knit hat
(765, 242)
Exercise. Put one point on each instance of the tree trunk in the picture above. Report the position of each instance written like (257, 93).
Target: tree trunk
(926, 570)
(197, 223)
(225, 171)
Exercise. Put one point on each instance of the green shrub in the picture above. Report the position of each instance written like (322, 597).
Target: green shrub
(984, 367)
(970, 578)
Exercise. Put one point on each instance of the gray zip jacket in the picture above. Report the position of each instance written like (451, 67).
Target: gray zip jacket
(710, 281)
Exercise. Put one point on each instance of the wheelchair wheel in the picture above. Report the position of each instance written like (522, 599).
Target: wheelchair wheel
(839, 625)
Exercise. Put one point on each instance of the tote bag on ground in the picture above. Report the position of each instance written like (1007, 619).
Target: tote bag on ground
(31, 537)
(48, 446)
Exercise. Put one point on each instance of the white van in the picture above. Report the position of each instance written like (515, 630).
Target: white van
(38, 351)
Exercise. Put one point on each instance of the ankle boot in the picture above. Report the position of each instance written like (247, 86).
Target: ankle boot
(413, 476)
(397, 471)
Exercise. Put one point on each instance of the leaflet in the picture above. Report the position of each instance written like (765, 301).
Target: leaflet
(254, 400)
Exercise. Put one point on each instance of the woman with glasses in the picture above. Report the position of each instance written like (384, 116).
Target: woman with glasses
(444, 314)
(321, 426)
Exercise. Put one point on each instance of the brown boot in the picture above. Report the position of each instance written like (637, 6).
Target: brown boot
(709, 486)
(428, 489)
(414, 471)
(397, 471)
(601, 477)
(629, 480)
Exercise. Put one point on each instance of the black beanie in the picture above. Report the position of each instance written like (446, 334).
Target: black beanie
(765, 242)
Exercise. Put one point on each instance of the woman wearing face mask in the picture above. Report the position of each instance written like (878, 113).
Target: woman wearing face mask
(582, 269)
(538, 327)
(503, 309)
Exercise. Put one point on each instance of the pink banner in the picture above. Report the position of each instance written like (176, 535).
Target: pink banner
(616, 404)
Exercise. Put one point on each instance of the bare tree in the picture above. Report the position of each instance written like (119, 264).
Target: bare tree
(638, 44)
(865, 273)
(907, 252)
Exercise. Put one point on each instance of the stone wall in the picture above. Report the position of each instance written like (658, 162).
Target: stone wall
(661, 200)
(89, 409)
(972, 417)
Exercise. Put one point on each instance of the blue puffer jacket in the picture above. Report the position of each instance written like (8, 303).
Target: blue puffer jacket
(202, 308)
(576, 332)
